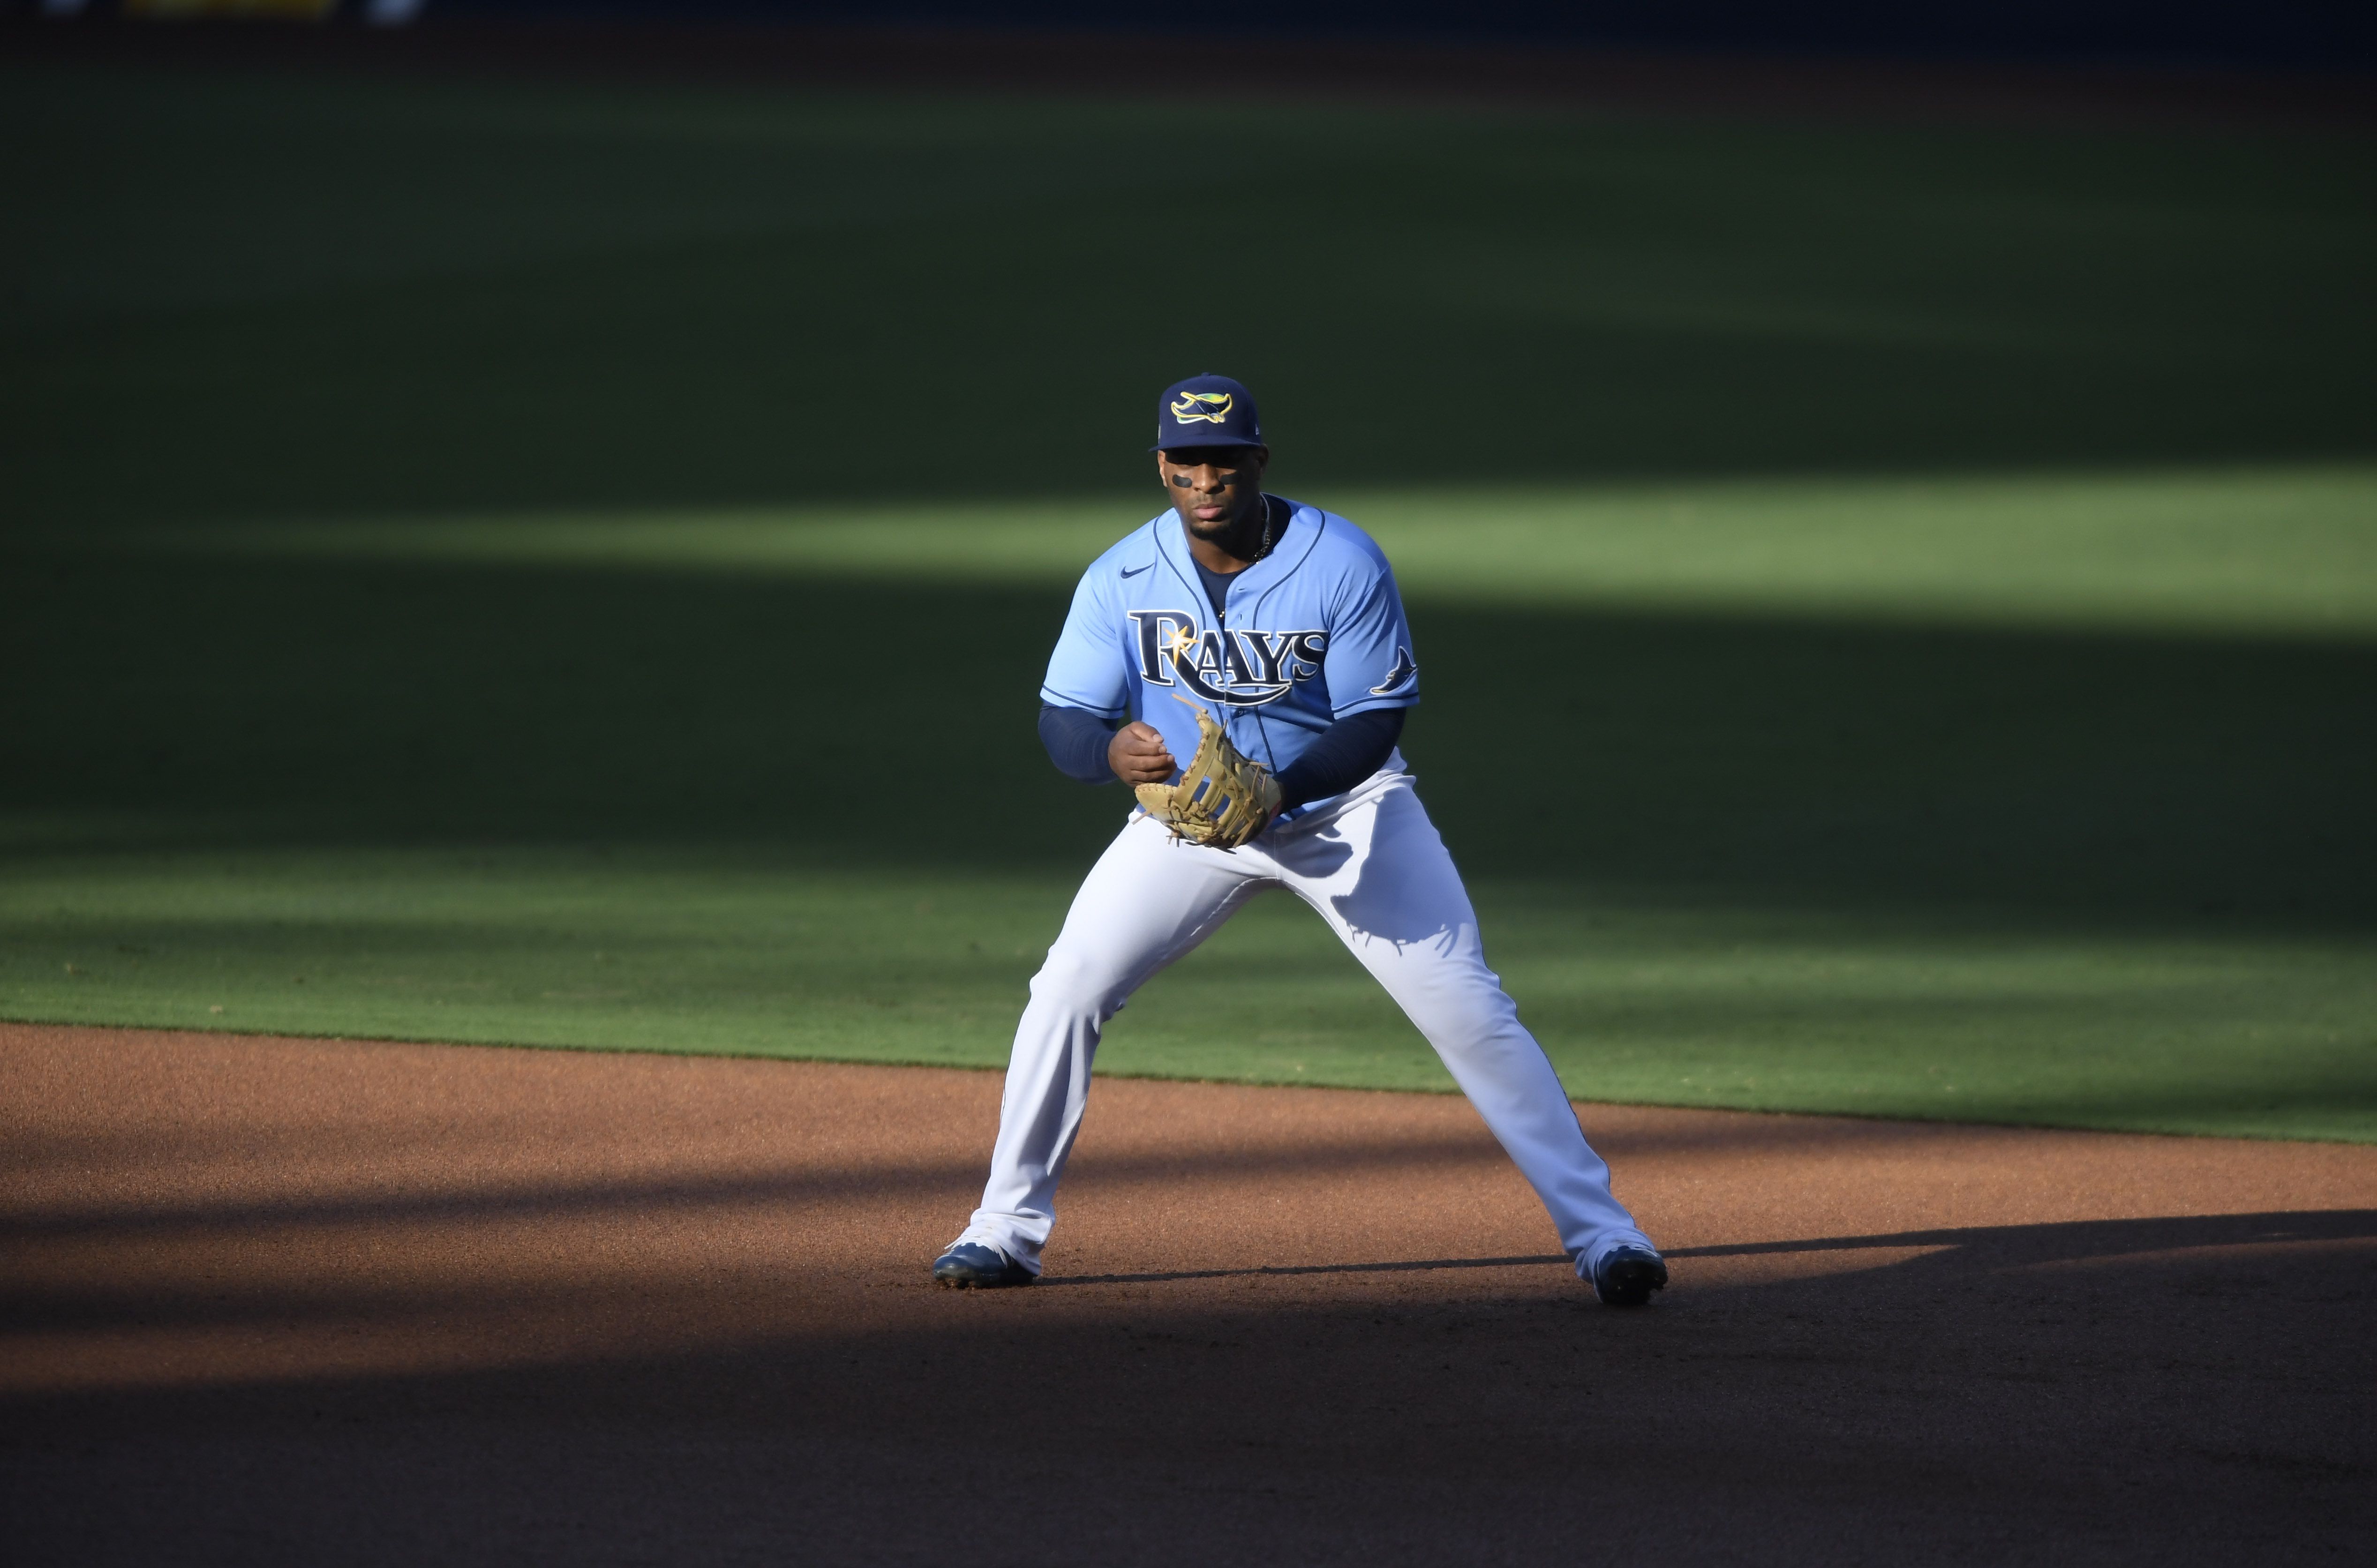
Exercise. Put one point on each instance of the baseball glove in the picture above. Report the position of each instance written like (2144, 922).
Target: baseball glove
(1223, 799)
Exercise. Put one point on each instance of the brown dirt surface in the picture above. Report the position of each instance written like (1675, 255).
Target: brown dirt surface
(287, 1300)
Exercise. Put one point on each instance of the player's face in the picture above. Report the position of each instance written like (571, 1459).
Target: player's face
(1214, 488)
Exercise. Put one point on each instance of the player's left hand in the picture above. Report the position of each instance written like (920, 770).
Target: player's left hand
(1224, 798)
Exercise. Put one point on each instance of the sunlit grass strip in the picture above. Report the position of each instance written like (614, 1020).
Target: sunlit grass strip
(2285, 551)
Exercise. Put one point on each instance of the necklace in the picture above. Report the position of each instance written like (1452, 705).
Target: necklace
(1264, 548)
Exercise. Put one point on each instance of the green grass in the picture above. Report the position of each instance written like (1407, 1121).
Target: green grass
(1683, 1005)
(570, 566)
(2283, 552)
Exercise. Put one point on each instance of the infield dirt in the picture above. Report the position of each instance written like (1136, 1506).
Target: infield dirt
(288, 1300)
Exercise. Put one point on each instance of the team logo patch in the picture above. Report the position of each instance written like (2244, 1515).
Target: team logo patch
(1404, 671)
(1210, 406)
(1242, 669)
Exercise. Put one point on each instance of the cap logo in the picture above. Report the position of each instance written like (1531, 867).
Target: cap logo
(1211, 406)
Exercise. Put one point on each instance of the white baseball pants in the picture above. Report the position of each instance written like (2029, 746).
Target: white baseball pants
(1374, 867)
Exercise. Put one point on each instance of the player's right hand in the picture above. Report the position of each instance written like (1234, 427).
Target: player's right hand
(1138, 755)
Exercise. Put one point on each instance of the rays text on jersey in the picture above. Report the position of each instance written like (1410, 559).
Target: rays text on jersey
(1239, 668)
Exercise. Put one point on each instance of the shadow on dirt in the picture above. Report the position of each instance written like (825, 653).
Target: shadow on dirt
(203, 1219)
(1984, 1249)
(1990, 1249)
(2163, 1390)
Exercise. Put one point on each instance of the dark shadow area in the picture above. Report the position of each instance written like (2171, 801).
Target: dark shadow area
(260, 293)
(2065, 777)
(1990, 1248)
(2124, 73)
(2189, 1390)
(2058, 773)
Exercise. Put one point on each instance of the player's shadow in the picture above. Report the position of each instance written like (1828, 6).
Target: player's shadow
(1292, 1270)
(1953, 1254)
(1961, 1252)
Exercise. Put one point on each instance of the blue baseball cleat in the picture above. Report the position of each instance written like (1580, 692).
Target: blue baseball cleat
(1626, 1275)
(970, 1265)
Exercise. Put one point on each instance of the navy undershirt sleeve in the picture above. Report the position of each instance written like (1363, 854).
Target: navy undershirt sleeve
(1341, 756)
(1077, 741)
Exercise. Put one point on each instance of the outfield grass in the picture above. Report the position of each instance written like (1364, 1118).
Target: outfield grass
(2287, 553)
(1898, 609)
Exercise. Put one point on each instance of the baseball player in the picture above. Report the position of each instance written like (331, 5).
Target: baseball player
(1263, 639)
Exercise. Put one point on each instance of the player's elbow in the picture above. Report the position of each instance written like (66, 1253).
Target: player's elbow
(1076, 740)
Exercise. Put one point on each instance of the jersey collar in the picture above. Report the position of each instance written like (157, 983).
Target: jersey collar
(1294, 541)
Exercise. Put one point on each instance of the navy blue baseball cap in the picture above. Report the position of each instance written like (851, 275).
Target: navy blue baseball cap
(1206, 410)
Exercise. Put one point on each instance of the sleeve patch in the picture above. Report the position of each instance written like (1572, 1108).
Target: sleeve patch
(1403, 672)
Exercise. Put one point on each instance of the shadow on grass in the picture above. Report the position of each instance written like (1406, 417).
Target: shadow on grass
(2066, 779)
(265, 294)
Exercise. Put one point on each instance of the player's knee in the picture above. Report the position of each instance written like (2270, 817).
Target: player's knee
(1474, 1020)
(1460, 999)
(1073, 982)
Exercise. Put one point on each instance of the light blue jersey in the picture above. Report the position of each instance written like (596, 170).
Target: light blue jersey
(1312, 633)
